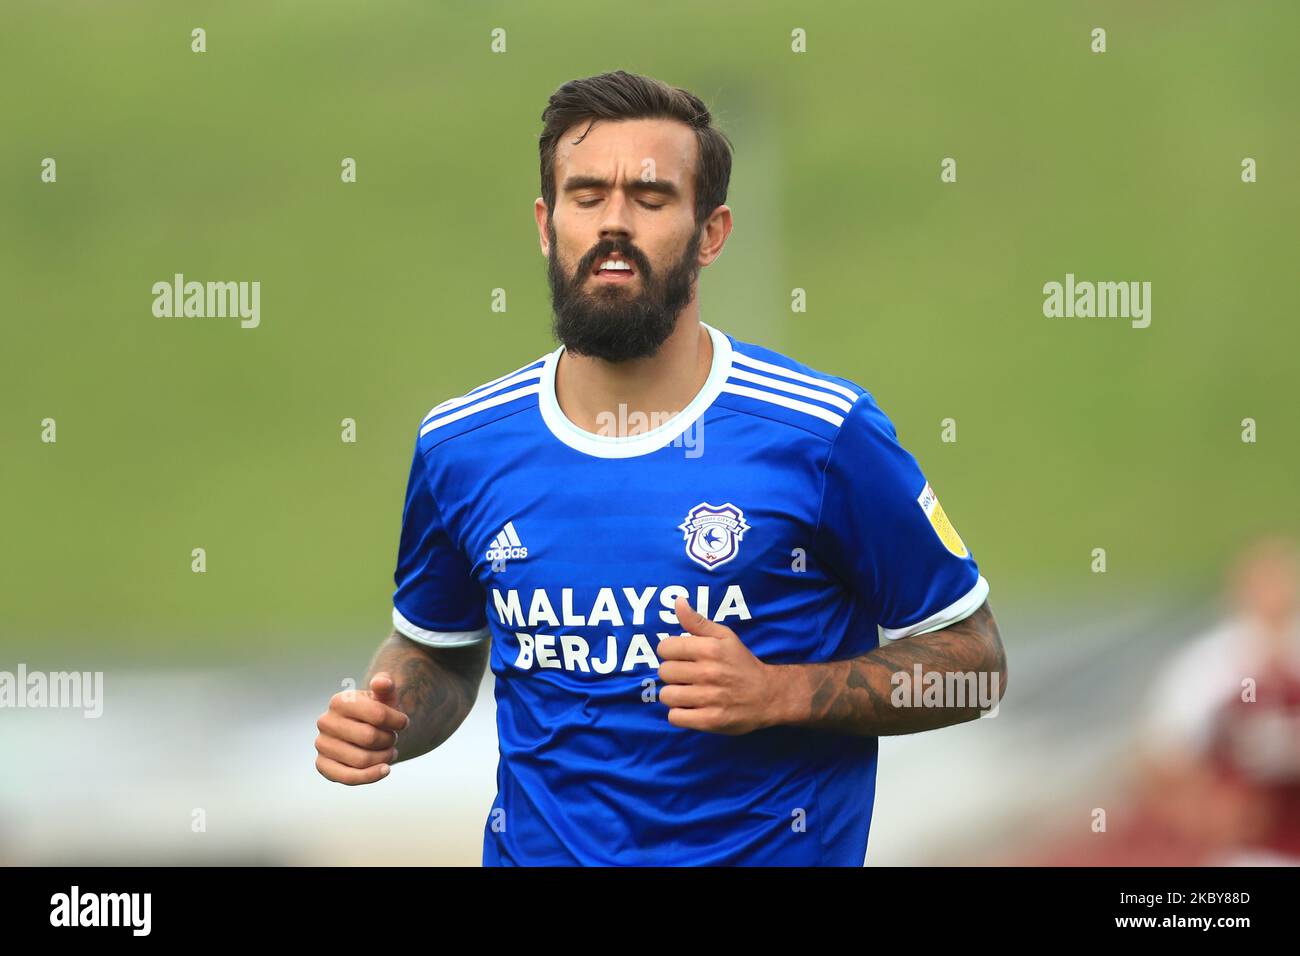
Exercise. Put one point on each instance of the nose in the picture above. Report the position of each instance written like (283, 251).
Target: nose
(616, 225)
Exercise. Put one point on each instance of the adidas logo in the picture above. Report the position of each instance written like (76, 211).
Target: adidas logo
(506, 545)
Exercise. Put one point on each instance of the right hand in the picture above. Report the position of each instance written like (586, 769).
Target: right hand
(358, 734)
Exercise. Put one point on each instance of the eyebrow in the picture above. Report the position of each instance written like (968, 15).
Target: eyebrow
(664, 187)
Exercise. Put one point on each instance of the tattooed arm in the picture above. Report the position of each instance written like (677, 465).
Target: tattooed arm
(713, 683)
(856, 696)
(419, 692)
(435, 687)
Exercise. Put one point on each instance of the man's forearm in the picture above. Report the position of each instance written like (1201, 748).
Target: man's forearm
(863, 696)
(436, 688)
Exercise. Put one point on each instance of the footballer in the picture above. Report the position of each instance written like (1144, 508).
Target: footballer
(696, 617)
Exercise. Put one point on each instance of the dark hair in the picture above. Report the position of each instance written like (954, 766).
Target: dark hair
(623, 96)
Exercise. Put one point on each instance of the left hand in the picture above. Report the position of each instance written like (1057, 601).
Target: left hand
(711, 680)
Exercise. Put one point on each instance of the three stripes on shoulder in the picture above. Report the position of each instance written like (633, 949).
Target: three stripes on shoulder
(522, 381)
(829, 393)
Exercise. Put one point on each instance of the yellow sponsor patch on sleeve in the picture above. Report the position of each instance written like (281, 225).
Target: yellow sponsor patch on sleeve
(929, 503)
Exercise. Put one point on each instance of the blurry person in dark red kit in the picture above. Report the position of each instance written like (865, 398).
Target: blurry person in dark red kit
(1224, 722)
(1218, 755)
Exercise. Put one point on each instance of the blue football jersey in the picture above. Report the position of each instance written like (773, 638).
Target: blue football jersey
(779, 502)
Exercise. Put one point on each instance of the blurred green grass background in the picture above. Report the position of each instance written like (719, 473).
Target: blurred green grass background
(182, 433)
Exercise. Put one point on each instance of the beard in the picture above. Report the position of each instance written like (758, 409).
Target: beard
(607, 321)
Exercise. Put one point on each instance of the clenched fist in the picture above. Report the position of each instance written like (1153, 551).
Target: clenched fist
(711, 681)
(358, 734)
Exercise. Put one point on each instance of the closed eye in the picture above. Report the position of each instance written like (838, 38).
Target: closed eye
(588, 203)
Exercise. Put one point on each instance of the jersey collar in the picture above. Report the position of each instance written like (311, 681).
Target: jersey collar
(630, 446)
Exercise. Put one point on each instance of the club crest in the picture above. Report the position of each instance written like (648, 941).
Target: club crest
(713, 533)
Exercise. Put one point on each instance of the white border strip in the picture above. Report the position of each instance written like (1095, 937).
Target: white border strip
(958, 610)
(438, 638)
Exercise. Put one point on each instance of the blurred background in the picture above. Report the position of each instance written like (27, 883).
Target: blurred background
(1073, 435)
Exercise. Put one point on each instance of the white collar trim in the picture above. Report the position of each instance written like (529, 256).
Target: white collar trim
(630, 446)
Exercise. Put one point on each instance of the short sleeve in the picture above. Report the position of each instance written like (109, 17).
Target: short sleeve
(437, 602)
(882, 531)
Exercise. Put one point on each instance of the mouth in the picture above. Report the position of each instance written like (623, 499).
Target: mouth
(613, 268)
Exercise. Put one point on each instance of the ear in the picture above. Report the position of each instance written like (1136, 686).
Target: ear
(716, 230)
(541, 215)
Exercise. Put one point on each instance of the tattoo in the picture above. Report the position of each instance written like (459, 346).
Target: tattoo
(436, 688)
(854, 696)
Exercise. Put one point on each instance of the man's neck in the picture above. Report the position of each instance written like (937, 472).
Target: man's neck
(627, 398)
